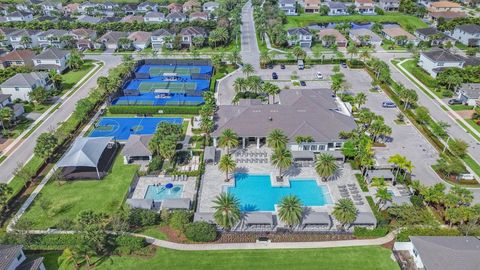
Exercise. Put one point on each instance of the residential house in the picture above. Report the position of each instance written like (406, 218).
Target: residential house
(365, 37)
(109, 8)
(110, 19)
(17, 108)
(147, 7)
(17, 58)
(136, 148)
(365, 7)
(52, 38)
(175, 7)
(442, 252)
(313, 112)
(5, 34)
(444, 6)
(70, 8)
(467, 34)
(88, 19)
(111, 38)
(13, 258)
(52, 58)
(389, 5)
(50, 8)
(399, 36)
(201, 16)
(188, 34)
(288, 6)
(23, 6)
(21, 84)
(154, 17)
(88, 8)
(83, 33)
(24, 39)
(210, 6)
(436, 60)
(337, 37)
(176, 17)
(45, 18)
(159, 37)
(431, 35)
(469, 93)
(191, 5)
(19, 16)
(299, 36)
(130, 9)
(140, 39)
(311, 6)
(446, 15)
(132, 18)
(337, 8)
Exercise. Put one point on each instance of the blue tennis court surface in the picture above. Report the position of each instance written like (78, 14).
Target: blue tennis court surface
(149, 99)
(122, 127)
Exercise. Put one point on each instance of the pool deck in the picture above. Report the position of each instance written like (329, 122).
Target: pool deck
(213, 182)
(145, 181)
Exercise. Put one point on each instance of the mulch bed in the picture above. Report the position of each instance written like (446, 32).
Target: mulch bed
(173, 235)
(233, 237)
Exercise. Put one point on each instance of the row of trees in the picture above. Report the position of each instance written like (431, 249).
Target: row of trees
(254, 84)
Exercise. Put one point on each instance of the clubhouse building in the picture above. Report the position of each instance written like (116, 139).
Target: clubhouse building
(313, 113)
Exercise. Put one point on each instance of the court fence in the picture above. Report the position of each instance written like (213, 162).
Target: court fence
(175, 62)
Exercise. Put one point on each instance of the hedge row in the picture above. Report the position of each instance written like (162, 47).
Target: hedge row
(310, 61)
(403, 236)
(361, 232)
(154, 109)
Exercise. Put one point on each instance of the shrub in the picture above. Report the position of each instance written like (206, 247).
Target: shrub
(361, 232)
(361, 182)
(155, 164)
(129, 244)
(179, 219)
(142, 217)
(43, 241)
(201, 232)
(425, 231)
(154, 109)
(417, 200)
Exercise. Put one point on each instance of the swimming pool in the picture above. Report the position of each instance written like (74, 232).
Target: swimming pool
(159, 193)
(256, 193)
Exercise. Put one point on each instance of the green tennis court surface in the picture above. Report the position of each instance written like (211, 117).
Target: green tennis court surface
(134, 102)
(181, 71)
(151, 86)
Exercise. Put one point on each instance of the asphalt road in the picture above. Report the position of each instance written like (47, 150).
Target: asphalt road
(24, 151)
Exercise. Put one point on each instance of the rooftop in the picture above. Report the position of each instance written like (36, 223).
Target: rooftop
(441, 55)
(26, 80)
(470, 28)
(52, 53)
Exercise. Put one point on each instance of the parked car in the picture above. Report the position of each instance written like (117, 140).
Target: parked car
(303, 83)
(319, 75)
(282, 66)
(274, 76)
(454, 101)
(388, 104)
(270, 66)
(343, 64)
(300, 64)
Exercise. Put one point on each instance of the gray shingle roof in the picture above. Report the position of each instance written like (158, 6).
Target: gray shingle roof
(52, 53)
(25, 80)
(448, 252)
(365, 218)
(298, 31)
(176, 15)
(140, 203)
(429, 31)
(316, 218)
(471, 90)
(154, 14)
(336, 5)
(113, 36)
(258, 218)
(441, 55)
(7, 254)
(181, 203)
(4, 97)
(366, 32)
(300, 112)
(470, 28)
(31, 264)
(88, 19)
(163, 32)
(137, 146)
(193, 31)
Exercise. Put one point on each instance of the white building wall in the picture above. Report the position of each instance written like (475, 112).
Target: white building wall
(428, 65)
(18, 260)
(408, 246)
(20, 93)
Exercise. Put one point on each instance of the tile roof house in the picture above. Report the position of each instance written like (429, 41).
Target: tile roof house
(12, 257)
(18, 58)
(210, 6)
(83, 33)
(140, 39)
(469, 93)
(188, 34)
(337, 8)
(399, 36)
(191, 5)
(288, 6)
(436, 60)
(52, 38)
(19, 16)
(311, 6)
(154, 17)
(389, 5)
(445, 9)
(175, 7)
(111, 38)
(176, 17)
(467, 34)
(52, 58)
(339, 39)
(365, 7)
(312, 112)
(130, 9)
(300, 36)
(202, 16)
(160, 37)
(21, 84)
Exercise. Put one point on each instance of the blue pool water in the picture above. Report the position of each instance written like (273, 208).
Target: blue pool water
(122, 127)
(158, 193)
(256, 193)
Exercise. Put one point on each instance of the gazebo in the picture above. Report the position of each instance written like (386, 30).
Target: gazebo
(210, 154)
(316, 221)
(258, 221)
(85, 154)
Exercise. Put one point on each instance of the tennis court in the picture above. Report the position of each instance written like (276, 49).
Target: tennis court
(147, 86)
(159, 70)
(122, 127)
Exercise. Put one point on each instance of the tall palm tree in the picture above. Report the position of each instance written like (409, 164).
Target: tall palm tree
(228, 139)
(352, 50)
(325, 166)
(227, 165)
(397, 160)
(271, 90)
(265, 59)
(240, 84)
(277, 139)
(254, 84)
(360, 99)
(345, 212)
(290, 210)
(383, 196)
(282, 159)
(227, 210)
(248, 69)
(298, 52)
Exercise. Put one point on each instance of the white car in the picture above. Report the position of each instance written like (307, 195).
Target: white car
(319, 76)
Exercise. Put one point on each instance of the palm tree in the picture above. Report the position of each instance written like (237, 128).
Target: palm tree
(248, 69)
(277, 139)
(383, 196)
(6, 115)
(228, 139)
(265, 59)
(360, 99)
(352, 50)
(25, 41)
(345, 212)
(282, 159)
(378, 182)
(240, 84)
(227, 210)
(227, 164)
(254, 84)
(325, 166)
(298, 52)
(290, 210)
(271, 90)
(398, 161)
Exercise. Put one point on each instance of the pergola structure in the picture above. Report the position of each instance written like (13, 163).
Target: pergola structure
(88, 152)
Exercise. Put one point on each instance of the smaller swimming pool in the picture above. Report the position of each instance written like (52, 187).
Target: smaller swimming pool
(159, 193)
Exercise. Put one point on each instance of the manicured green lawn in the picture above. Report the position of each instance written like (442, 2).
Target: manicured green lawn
(472, 164)
(67, 200)
(473, 124)
(461, 107)
(152, 231)
(408, 22)
(50, 259)
(421, 75)
(357, 258)
(70, 78)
